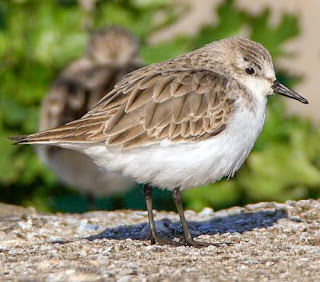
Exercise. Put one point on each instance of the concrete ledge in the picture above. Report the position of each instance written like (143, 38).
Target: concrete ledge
(270, 241)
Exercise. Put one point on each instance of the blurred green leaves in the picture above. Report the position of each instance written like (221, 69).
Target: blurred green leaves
(230, 20)
(273, 37)
(142, 17)
(39, 38)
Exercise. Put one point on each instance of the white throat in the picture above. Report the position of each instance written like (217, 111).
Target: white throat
(259, 87)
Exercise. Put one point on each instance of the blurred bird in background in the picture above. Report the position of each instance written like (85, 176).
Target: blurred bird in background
(111, 53)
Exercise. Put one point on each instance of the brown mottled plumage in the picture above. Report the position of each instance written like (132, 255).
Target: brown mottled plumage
(178, 124)
(183, 105)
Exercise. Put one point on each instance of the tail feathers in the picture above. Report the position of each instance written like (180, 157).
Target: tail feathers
(22, 139)
(17, 139)
(31, 139)
(73, 132)
(86, 130)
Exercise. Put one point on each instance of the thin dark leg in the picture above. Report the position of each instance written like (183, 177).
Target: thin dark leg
(187, 235)
(155, 238)
(147, 189)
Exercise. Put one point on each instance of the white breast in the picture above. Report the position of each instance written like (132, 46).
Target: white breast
(189, 164)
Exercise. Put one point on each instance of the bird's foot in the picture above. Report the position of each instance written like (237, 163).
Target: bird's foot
(162, 241)
(190, 242)
(199, 244)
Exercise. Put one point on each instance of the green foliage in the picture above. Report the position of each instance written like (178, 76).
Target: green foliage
(230, 21)
(166, 50)
(273, 37)
(39, 38)
(137, 15)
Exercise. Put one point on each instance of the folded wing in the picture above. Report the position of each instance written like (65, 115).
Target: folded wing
(148, 106)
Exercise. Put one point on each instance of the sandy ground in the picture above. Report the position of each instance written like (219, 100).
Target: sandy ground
(270, 241)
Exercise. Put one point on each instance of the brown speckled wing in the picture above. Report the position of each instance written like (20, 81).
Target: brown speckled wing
(149, 106)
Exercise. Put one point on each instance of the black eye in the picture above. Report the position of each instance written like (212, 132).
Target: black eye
(249, 70)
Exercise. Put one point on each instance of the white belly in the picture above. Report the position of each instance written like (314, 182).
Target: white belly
(190, 164)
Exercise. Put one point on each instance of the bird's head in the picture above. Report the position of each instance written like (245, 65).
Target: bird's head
(251, 64)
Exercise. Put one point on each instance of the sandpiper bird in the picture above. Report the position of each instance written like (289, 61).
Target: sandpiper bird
(111, 53)
(181, 123)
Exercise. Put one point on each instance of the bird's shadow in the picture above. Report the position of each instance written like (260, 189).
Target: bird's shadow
(219, 224)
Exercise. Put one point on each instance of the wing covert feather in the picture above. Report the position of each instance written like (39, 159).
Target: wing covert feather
(149, 106)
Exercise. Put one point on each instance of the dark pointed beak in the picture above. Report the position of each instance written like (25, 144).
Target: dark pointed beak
(279, 88)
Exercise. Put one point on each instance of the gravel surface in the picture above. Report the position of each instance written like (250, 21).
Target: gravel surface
(270, 241)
